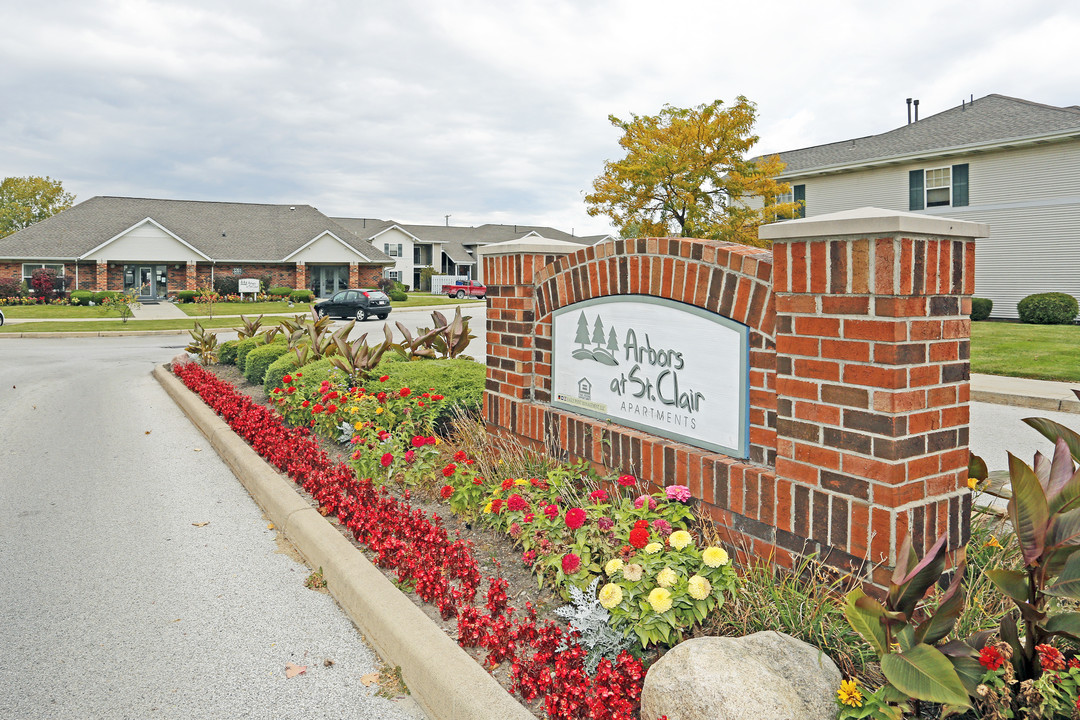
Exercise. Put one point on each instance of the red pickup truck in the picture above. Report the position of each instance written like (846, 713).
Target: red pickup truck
(470, 288)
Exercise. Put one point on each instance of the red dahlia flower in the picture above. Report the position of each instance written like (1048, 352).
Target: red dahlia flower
(410, 455)
(384, 378)
(507, 484)
(460, 456)
(496, 505)
(570, 563)
(287, 379)
(431, 440)
(627, 480)
(551, 512)
(418, 441)
(404, 392)
(598, 496)
(387, 459)
(478, 481)
(641, 525)
(447, 491)
(515, 502)
(449, 470)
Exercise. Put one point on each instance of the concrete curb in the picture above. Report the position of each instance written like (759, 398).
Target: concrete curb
(443, 679)
(1028, 401)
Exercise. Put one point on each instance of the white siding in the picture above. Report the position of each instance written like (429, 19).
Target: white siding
(326, 249)
(146, 243)
(403, 264)
(1030, 197)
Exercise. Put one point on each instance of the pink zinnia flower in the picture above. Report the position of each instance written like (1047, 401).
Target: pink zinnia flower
(681, 493)
(640, 502)
(387, 459)
(598, 496)
(663, 527)
(551, 512)
(605, 524)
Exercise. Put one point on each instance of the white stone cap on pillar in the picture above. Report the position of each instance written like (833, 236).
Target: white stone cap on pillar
(872, 221)
(531, 245)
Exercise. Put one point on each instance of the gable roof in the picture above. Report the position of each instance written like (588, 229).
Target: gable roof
(987, 123)
(233, 232)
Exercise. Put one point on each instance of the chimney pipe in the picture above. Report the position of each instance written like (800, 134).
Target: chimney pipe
(909, 111)
(916, 111)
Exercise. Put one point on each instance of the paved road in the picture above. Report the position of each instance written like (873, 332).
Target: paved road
(997, 430)
(113, 603)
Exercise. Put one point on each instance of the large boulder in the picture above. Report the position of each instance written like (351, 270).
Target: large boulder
(764, 676)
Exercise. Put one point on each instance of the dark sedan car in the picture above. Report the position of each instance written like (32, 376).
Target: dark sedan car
(359, 304)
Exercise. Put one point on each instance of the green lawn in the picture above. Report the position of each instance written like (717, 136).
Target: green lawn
(48, 312)
(264, 308)
(1044, 352)
(113, 325)
(247, 308)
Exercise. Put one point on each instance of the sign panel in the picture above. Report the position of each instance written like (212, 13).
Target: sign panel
(248, 285)
(654, 364)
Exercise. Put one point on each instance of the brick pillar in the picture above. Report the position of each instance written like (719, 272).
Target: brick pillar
(301, 276)
(354, 275)
(872, 342)
(101, 282)
(190, 276)
(510, 269)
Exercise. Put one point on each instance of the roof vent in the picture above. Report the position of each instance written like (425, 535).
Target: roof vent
(291, 209)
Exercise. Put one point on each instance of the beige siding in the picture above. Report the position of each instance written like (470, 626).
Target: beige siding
(326, 249)
(145, 243)
(1030, 197)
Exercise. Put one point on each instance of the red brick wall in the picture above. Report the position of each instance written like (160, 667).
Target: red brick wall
(367, 276)
(858, 384)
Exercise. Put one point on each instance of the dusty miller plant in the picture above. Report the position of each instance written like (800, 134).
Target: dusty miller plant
(592, 622)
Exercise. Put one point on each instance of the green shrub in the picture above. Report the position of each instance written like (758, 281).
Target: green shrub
(398, 296)
(301, 296)
(244, 347)
(227, 352)
(1048, 309)
(460, 381)
(102, 295)
(226, 284)
(81, 297)
(279, 369)
(186, 296)
(980, 308)
(284, 291)
(261, 358)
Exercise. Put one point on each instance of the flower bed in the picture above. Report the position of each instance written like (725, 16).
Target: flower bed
(545, 659)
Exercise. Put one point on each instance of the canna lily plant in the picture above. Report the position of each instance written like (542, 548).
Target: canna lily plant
(909, 637)
(1045, 514)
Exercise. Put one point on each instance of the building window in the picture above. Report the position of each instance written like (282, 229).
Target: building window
(393, 249)
(394, 275)
(29, 268)
(938, 187)
(796, 194)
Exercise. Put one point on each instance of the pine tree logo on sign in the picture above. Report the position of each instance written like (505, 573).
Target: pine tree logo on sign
(603, 351)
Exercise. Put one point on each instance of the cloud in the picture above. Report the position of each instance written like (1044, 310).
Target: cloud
(487, 111)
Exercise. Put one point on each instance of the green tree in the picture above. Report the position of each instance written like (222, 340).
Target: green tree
(685, 173)
(27, 200)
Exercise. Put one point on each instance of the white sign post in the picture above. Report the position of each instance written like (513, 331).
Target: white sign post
(657, 365)
(248, 285)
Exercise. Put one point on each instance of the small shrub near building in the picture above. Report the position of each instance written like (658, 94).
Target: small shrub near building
(301, 296)
(259, 359)
(1052, 308)
(981, 308)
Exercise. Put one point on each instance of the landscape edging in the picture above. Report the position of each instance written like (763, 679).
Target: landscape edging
(446, 682)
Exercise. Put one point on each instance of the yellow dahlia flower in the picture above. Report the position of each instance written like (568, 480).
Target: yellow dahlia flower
(715, 557)
(660, 600)
(666, 577)
(610, 595)
(653, 548)
(698, 587)
(613, 566)
(680, 539)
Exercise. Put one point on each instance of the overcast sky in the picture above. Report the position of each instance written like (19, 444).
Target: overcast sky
(486, 111)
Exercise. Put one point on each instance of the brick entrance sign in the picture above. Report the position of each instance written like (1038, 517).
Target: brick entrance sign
(813, 398)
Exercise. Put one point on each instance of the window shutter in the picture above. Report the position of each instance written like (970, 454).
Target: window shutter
(386, 248)
(916, 194)
(399, 250)
(960, 185)
(798, 194)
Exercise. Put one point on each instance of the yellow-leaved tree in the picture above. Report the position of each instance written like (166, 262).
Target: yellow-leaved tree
(685, 173)
(27, 200)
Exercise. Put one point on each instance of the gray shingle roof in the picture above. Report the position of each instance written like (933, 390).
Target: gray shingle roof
(222, 231)
(367, 228)
(987, 121)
